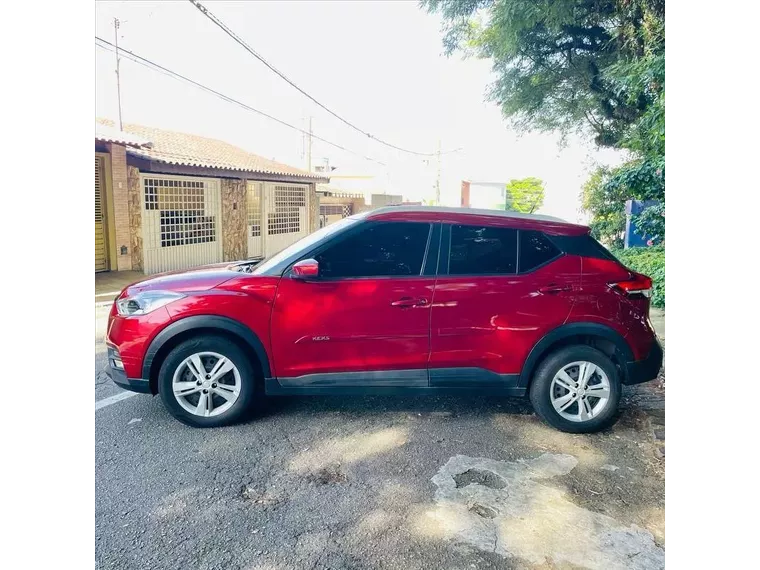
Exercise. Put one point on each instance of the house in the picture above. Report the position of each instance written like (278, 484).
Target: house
(166, 201)
(381, 200)
(486, 195)
(334, 205)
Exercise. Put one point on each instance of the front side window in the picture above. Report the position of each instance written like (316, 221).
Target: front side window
(382, 249)
(482, 250)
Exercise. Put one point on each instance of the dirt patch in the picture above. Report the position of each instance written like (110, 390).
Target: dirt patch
(479, 477)
(327, 476)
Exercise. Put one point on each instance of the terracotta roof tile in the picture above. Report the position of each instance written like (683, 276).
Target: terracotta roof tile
(109, 133)
(191, 150)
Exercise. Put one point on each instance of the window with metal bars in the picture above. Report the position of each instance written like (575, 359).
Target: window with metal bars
(182, 212)
(286, 218)
(331, 209)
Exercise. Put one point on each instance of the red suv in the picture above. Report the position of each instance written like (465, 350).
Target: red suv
(399, 300)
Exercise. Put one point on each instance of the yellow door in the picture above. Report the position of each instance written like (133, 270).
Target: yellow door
(101, 249)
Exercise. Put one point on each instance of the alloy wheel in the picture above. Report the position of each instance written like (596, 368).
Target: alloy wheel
(206, 384)
(580, 391)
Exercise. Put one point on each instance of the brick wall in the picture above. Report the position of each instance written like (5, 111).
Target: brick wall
(120, 205)
(135, 218)
(234, 220)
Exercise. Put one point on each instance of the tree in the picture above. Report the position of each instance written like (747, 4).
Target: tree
(605, 194)
(593, 66)
(569, 65)
(526, 195)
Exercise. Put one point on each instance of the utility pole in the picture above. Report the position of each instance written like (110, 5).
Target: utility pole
(118, 81)
(438, 176)
(309, 147)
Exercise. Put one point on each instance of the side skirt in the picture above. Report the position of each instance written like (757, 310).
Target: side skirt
(463, 381)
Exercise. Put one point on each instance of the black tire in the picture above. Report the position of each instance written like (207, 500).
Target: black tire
(540, 388)
(249, 394)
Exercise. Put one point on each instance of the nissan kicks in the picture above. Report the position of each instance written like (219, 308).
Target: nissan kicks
(398, 300)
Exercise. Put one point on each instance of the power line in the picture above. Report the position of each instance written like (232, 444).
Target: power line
(258, 56)
(156, 67)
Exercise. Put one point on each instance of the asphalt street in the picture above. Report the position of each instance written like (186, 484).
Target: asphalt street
(349, 483)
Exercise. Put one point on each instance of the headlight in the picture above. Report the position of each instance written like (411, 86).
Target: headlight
(145, 302)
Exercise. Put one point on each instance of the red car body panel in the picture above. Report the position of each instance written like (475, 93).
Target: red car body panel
(493, 322)
(132, 335)
(200, 279)
(351, 325)
(244, 298)
(596, 302)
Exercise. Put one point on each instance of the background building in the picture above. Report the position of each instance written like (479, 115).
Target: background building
(166, 200)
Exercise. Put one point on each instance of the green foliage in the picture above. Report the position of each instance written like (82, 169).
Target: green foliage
(526, 195)
(651, 223)
(570, 65)
(578, 65)
(605, 193)
(651, 262)
(608, 221)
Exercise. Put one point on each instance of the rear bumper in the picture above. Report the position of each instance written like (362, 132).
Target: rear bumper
(119, 377)
(646, 369)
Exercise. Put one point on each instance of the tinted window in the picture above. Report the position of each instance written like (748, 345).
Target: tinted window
(477, 250)
(278, 259)
(583, 245)
(535, 250)
(380, 249)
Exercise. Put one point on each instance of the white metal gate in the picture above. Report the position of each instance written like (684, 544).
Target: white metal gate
(255, 221)
(181, 222)
(278, 215)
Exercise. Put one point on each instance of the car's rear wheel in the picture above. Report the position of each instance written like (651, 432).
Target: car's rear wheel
(207, 381)
(577, 389)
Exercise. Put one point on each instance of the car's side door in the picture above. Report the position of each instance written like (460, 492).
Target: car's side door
(365, 319)
(489, 309)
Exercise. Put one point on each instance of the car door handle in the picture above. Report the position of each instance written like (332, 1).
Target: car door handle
(409, 302)
(551, 289)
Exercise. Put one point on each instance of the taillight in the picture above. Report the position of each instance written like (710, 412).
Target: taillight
(637, 285)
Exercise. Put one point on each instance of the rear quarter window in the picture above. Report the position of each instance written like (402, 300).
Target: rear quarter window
(583, 245)
(535, 250)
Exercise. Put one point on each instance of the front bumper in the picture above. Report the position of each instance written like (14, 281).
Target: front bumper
(646, 369)
(119, 377)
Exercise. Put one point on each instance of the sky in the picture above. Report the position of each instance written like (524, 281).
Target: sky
(379, 64)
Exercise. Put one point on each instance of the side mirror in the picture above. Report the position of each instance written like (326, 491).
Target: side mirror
(306, 269)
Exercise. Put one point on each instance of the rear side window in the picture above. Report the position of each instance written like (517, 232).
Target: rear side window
(535, 250)
(482, 250)
(583, 246)
(381, 249)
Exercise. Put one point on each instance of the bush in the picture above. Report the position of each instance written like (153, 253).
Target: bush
(651, 262)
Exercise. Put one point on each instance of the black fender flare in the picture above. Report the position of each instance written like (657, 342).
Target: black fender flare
(541, 348)
(207, 322)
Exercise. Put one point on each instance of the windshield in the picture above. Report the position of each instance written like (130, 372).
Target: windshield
(302, 245)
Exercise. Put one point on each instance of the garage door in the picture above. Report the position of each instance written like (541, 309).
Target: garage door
(181, 222)
(101, 248)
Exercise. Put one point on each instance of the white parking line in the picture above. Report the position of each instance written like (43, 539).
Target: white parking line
(113, 399)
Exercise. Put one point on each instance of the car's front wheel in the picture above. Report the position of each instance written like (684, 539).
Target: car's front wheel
(207, 381)
(577, 389)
